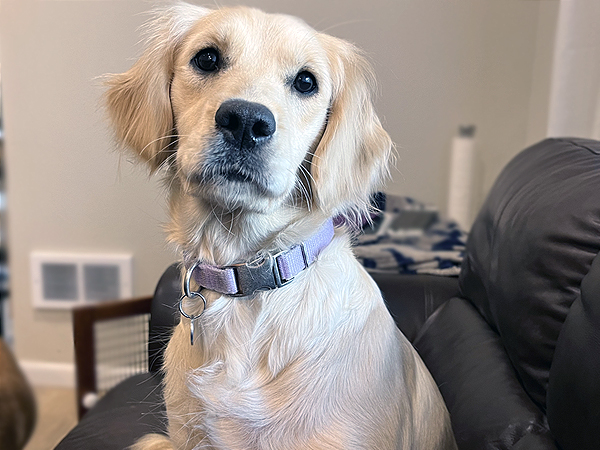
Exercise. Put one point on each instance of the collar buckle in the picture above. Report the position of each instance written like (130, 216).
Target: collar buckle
(260, 275)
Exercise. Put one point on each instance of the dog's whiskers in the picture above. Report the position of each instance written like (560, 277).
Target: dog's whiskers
(304, 194)
(306, 188)
(170, 136)
(307, 172)
(167, 162)
(313, 155)
(178, 170)
(214, 213)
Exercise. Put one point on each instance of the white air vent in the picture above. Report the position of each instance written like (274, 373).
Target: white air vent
(63, 280)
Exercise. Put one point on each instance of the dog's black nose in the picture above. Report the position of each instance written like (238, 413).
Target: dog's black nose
(245, 124)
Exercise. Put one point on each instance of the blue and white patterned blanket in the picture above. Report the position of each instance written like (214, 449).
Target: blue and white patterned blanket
(409, 237)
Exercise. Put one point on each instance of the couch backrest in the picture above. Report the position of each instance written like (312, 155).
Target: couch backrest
(530, 247)
(164, 315)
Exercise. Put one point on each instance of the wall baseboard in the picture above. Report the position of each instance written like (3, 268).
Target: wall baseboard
(41, 373)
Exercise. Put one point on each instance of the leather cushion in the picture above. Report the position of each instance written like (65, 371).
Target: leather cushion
(531, 245)
(574, 389)
(488, 406)
(127, 412)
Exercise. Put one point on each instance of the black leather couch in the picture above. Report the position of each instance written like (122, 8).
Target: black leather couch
(517, 353)
(514, 343)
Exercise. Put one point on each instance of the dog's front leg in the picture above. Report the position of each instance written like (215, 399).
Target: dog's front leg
(184, 410)
(181, 413)
(153, 442)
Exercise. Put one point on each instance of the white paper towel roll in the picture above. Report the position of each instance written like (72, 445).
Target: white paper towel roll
(460, 189)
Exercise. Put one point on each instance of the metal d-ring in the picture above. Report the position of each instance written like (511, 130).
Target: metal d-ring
(187, 292)
(193, 317)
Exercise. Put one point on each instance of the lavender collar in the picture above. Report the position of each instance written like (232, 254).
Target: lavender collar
(265, 273)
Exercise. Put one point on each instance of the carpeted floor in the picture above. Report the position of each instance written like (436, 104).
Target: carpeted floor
(56, 415)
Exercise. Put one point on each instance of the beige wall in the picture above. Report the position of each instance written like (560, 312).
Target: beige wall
(440, 64)
(67, 188)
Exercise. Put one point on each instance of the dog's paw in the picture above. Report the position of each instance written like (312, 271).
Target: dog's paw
(153, 442)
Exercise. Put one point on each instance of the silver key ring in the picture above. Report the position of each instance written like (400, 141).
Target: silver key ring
(193, 317)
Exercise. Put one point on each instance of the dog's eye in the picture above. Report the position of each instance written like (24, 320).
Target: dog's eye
(305, 82)
(207, 60)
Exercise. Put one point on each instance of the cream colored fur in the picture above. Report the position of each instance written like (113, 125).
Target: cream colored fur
(318, 363)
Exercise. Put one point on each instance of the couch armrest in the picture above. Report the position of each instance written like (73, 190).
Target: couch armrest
(411, 299)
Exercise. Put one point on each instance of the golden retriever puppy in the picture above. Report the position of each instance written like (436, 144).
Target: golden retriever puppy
(265, 130)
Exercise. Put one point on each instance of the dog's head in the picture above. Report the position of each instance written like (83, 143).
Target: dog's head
(253, 111)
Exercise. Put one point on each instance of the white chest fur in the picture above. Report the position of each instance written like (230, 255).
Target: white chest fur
(285, 365)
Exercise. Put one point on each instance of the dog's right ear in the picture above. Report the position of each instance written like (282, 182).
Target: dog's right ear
(138, 101)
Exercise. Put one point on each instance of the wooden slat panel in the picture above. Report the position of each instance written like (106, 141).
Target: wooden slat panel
(83, 336)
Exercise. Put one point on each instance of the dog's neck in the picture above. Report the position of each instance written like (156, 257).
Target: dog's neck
(203, 233)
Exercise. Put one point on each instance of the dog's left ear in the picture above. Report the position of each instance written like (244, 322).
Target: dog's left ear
(351, 160)
(138, 101)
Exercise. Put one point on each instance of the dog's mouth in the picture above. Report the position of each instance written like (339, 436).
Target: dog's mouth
(230, 189)
(226, 181)
(238, 176)
(225, 176)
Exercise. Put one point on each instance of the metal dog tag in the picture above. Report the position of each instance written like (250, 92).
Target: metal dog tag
(192, 321)
(193, 317)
